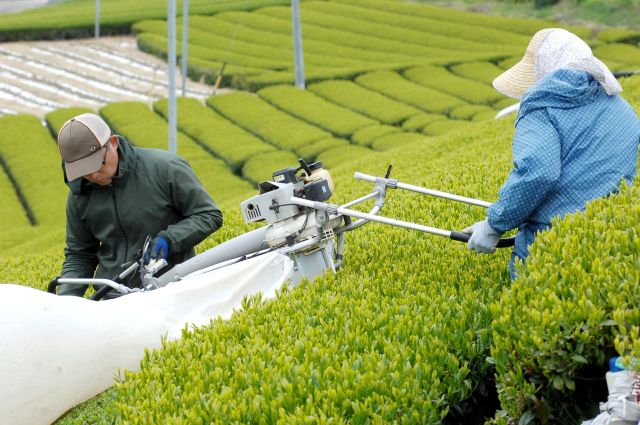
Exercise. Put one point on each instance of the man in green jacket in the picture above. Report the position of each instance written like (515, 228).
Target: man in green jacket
(118, 195)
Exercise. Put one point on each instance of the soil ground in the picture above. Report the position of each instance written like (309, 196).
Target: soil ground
(40, 76)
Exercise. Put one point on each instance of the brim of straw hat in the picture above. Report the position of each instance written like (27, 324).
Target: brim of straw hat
(517, 79)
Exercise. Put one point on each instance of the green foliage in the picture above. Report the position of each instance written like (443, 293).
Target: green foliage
(39, 176)
(625, 54)
(315, 110)
(441, 127)
(76, 18)
(418, 122)
(312, 150)
(444, 81)
(367, 102)
(619, 35)
(266, 122)
(484, 72)
(341, 154)
(469, 112)
(216, 134)
(12, 214)
(260, 167)
(421, 30)
(393, 85)
(391, 141)
(366, 135)
(553, 320)
(525, 26)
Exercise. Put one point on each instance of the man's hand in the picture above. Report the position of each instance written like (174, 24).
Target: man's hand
(484, 238)
(158, 249)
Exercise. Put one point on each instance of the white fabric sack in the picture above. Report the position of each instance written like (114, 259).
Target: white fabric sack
(56, 352)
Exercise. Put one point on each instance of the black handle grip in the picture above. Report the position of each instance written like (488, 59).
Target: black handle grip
(464, 237)
(53, 285)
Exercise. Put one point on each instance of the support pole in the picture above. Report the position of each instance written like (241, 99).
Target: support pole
(185, 45)
(171, 58)
(297, 44)
(96, 31)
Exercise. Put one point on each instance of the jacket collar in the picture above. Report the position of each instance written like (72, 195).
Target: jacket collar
(562, 89)
(126, 162)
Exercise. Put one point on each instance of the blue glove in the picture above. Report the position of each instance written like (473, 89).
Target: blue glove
(158, 249)
(484, 238)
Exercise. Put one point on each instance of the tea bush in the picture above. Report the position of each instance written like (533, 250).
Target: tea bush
(427, 30)
(396, 87)
(228, 142)
(469, 112)
(260, 167)
(312, 150)
(555, 315)
(367, 102)
(266, 122)
(444, 81)
(313, 109)
(484, 72)
(418, 122)
(625, 54)
(394, 140)
(67, 20)
(517, 25)
(39, 176)
(365, 136)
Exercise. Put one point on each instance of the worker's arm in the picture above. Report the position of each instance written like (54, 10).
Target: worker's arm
(80, 254)
(190, 199)
(536, 169)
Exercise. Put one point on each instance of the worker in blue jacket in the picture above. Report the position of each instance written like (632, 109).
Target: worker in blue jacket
(575, 140)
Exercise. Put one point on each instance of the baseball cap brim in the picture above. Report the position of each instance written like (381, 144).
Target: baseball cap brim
(82, 167)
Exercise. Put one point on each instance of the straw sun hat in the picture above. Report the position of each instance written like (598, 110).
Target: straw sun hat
(551, 49)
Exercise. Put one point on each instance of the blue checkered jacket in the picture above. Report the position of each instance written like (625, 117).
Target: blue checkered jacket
(573, 143)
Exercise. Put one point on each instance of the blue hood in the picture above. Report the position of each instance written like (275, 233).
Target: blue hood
(562, 89)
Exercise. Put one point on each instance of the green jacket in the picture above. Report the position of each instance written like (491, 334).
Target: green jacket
(153, 193)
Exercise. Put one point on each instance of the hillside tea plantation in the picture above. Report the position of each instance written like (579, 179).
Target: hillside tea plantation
(413, 328)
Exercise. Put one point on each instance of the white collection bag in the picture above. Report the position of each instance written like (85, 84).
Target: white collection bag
(56, 352)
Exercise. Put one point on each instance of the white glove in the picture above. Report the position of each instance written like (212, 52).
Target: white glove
(484, 238)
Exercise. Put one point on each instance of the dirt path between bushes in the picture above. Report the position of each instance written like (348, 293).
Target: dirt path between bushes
(40, 76)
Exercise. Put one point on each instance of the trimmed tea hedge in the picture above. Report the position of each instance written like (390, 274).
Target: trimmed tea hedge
(309, 107)
(393, 85)
(554, 320)
(76, 18)
(367, 102)
(444, 81)
(263, 120)
(312, 150)
(366, 135)
(227, 141)
(522, 26)
(418, 122)
(260, 167)
(484, 72)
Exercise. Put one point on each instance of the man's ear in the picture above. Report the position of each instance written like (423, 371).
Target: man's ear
(113, 140)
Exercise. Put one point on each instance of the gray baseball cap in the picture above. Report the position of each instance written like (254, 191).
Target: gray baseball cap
(80, 141)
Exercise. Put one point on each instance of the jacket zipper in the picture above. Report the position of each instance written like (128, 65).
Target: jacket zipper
(124, 234)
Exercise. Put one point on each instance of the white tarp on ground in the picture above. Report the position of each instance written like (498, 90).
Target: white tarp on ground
(56, 352)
